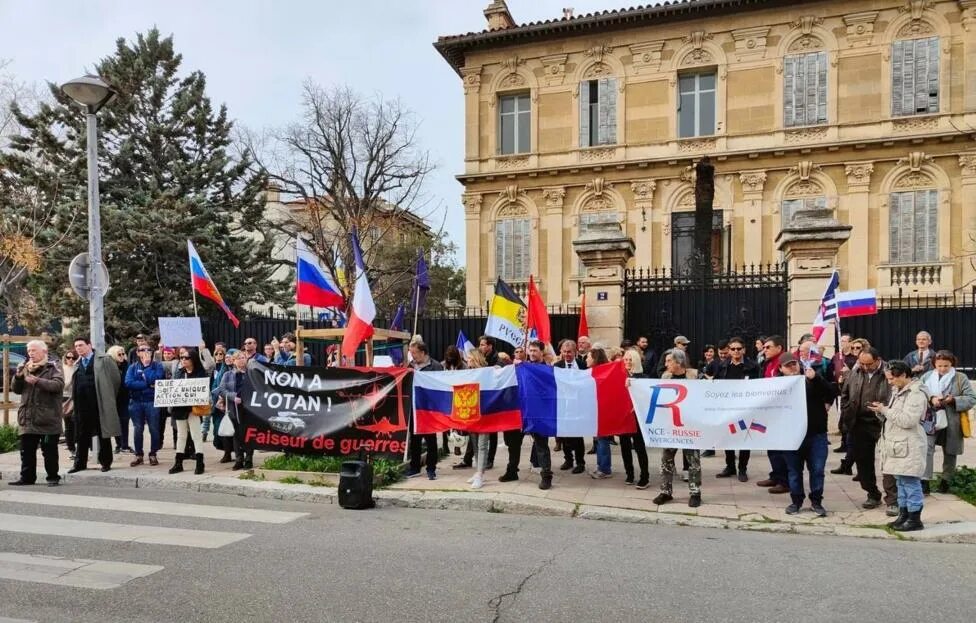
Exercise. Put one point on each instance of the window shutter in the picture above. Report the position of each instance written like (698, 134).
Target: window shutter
(787, 209)
(608, 111)
(602, 110)
(501, 245)
(812, 89)
(822, 87)
(933, 75)
(800, 92)
(927, 226)
(521, 254)
(894, 227)
(789, 90)
(897, 79)
(921, 86)
(584, 113)
(908, 80)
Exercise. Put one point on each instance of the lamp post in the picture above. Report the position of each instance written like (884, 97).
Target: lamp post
(92, 93)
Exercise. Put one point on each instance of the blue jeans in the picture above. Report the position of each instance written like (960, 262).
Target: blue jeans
(910, 493)
(603, 454)
(780, 472)
(142, 413)
(812, 452)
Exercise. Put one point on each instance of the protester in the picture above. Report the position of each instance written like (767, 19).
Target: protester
(813, 449)
(140, 380)
(779, 474)
(760, 351)
(519, 354)
(680, 343)
(220, 368)
(504, 360)
(904, 447)
(67, 404)
(232, 384)
(188, 419)
(287, 352)
(738, 367)
(251, 350)
(712, 369)
(676, 367)
(866, 385)
(648, 356)
(133, 355)
(423, 362)
(117, 353)
(269, 352)
(583, 345)
(922, 358)
(574, 448)
(634, 442)
(951, 395)
(95, 389)
(478, 443)
(487, 347)
(40, 384)
(540, 443)
(453, 359)
(598, 356)
(709, 355)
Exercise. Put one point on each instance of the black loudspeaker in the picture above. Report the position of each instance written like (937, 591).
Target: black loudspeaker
(356, 485)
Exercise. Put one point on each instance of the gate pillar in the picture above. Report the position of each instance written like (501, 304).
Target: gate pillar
(604, 250)
(810, 245)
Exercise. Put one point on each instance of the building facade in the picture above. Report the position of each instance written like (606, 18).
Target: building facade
(865, 107)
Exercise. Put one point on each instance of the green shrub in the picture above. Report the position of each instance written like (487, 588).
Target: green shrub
(386, 471)
(291, 480)
(8, 438)
(963, 484)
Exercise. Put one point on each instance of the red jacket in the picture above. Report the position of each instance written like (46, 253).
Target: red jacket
(771, 368)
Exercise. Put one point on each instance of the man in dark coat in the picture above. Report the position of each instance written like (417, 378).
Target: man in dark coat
(94, 391)
(39, 383)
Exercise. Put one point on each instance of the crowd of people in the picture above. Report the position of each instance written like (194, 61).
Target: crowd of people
(907, 406)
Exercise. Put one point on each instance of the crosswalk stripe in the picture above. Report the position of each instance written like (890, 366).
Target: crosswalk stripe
(80, 573)
(152, 507)
(155, 535)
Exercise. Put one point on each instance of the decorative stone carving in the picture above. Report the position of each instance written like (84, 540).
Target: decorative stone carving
(511, 194)
(598, 186)
(554, 67)
(472, 203)
(647, 56)
(805, 135)
(806, 23)
(915, 28)
(914, 124)
(512, 80)
(644, 189)
(687, 175)
(916, 179)
(471, 76)
(752, 181)
(598, 51)
(687, 200)
(804, 188)
(968, 10)
(554, 197)
(597, 204)
(803, 169)
(698, 55)
(806, 43)
(750, 43)
(698, 38)
(697, 145)
(967, 164)
(598, 70)
(915, 160)
(860, 28)
(513, 63)
(915, 7)
(505, 163)
(597, 154)
(859, 173)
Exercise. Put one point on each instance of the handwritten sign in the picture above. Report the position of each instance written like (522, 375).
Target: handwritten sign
(182, 393)
(181, 331)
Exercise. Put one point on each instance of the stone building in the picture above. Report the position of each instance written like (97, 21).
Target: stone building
(866, 108)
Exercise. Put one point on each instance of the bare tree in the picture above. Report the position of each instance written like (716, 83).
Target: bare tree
(13, 92)
(350, 163)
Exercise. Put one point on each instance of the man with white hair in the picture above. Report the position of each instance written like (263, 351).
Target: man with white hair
(921, 359)
(40, 384)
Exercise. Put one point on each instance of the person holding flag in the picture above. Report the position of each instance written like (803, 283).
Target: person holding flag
(202, 283)
(506, 316)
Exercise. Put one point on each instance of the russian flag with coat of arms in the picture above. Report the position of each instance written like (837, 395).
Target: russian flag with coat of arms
(478, 400)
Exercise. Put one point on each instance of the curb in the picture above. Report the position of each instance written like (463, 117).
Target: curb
(510, 503)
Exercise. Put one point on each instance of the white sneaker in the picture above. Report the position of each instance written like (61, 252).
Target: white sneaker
(470, 480)
(477, 482)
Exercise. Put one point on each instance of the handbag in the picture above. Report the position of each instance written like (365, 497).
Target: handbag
(965, 417)
(200, 410)
(226, 428)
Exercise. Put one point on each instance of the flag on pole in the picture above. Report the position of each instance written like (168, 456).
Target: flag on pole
(312, 283)
(396, 346)
(360, 325)
(857, 303)
(506, 317)
(203, 284)
(538, 317)
(421, 284)
(584, 329)
(463, 343)
(828, 307)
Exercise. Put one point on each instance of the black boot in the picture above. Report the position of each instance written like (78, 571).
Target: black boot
(913, 523)
(546, 482)
(226, 458)
(238, 464)
(902, 516)
(943, 486)
(178, 464)
(248, 461)
(199, 467)
(845, 468)
(508, 476)
(926, 488)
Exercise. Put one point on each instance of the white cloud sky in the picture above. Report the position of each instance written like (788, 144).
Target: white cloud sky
(256, 53)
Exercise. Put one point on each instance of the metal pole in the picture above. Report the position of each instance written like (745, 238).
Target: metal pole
(96, 305)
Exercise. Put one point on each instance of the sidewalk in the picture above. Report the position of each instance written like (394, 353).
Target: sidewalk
(726, 503)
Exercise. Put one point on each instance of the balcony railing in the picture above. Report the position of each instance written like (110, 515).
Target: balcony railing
(929, 278)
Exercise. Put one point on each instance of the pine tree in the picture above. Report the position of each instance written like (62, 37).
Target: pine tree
(166, 175)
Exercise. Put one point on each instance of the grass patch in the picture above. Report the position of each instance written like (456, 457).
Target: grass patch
(317, 483)
(291, 480)
(251, 476)
(8, 438)
(386, 472)
(963, 484)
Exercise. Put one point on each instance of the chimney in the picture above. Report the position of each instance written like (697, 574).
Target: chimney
(568, 13)
(498, 16)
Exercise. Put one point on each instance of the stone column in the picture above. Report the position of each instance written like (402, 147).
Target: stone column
(472, 265)
(471, 77)
(639, 217)
(967, 201)
(857, 203)
(752, 215)
(605, 250)
(810, 247)
(552, 224)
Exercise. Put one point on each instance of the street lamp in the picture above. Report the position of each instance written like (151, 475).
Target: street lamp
(93, 93)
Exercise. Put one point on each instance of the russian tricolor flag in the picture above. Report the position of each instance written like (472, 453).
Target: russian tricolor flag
(313, 286)
(560, 402)
(857, 303)
(360, 325)
(203, 284)
(479, 400)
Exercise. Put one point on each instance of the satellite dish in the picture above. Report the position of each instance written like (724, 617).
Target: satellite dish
(78, 276)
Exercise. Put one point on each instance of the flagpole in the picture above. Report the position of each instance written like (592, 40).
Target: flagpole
(194, 291)
(416, 294)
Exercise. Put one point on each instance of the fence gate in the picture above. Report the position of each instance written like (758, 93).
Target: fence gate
(749, 302)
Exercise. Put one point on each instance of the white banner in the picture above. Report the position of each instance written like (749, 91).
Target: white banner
(764, 414)
(182, 392)
(180, 331)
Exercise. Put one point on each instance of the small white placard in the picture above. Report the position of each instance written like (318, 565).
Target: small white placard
(182, 392)
(181, 331)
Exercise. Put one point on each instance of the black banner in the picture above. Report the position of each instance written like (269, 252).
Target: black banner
(334, 411)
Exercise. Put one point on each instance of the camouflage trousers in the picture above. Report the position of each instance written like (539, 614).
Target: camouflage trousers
(692, 460)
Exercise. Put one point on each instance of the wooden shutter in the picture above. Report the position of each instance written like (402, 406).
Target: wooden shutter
(926, 219)
(789, 91)
(821, 87)
(787, 209)
(897, 76)
(584, 113)
(503, 236)
(933, 75)
(901, 228)
(607, 109)
(521, 251)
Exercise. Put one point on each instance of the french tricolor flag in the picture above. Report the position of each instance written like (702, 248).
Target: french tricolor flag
(360, 325)
(561, 402)
(313, 286)
(857, 303)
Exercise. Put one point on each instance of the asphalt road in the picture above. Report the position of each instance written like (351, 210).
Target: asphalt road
(413, 565)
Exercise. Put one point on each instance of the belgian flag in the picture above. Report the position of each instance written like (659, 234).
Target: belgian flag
(506, 317)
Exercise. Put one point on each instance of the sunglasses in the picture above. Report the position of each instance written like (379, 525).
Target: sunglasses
(70, 358)
(143, 350)
(184, 357)
(855, 348)
(767, 347)
(736, 348)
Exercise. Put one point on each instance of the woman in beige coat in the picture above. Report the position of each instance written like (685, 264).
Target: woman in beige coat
(903, 442)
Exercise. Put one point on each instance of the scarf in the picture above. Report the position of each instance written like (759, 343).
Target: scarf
(940, 385)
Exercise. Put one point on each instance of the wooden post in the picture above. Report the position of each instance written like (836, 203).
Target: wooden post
(369, 353)
(6, 379)
(299, 346)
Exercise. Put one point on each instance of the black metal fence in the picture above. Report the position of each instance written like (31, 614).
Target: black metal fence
(747, 302)
(950, 320)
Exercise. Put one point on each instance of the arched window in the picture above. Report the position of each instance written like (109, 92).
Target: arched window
(915, 72)
(805, 89)
(513, 248)
(913, 226)
(598, 107)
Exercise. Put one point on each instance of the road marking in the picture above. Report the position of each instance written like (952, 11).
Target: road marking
(151, 507)
(80, 573)
(6, 620)
(154, 535)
